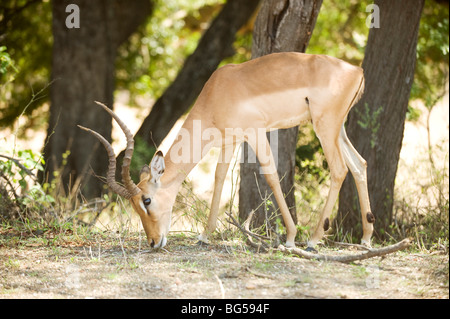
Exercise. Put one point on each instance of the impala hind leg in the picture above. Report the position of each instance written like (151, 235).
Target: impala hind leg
(223, 163)
(358, 167)
(338, 170)
(267, 162)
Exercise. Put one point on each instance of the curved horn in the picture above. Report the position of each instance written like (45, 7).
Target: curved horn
(126, 178)
(110, 175)
(130, 188)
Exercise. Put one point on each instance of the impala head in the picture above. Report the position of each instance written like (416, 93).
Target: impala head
(152, 206)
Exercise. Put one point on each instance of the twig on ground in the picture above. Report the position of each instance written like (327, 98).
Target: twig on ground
(372, 252)
(261, 245)
(222, 290)
(246, 226)
(257, 274)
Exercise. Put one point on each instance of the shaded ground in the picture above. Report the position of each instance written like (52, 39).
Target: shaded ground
(110, 266)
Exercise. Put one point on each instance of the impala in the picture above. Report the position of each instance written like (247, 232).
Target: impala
(276, 91)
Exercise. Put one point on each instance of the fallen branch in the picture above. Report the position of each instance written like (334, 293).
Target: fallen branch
(357, 246)
(372, 252)
(368, 253)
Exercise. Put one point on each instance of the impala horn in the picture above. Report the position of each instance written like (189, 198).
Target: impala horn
(130, 188)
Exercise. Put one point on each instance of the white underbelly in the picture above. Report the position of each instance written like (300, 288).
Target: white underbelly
(289, 122)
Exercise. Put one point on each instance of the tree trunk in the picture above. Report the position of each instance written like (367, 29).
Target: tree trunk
(376, 123)
(83, 72)
(281, 26)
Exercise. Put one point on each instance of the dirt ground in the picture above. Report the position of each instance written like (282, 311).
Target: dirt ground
(113, 266)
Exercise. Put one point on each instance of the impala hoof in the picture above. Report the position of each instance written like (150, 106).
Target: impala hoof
(290, 244)
(202, 238)
(201, 243)
(311, 250)
(366, 243)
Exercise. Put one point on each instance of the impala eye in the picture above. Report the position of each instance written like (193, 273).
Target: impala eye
(147, 201)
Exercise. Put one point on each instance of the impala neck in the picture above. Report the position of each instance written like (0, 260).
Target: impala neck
(175, 173)
(185, 153)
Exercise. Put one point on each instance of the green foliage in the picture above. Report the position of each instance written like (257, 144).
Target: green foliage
(309, 157)
(26, 32)
(6, 64)
(18, 170)
(158, 50)
(341, 30)
(413, 114)
(432, 54)
(41, 212)
(20, 187)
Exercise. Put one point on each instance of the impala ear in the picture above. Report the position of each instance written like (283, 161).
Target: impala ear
(144, 175)
(157, 167)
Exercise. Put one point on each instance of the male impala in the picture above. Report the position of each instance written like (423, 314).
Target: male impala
(276, 91)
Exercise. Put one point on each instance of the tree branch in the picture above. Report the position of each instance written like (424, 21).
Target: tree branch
(21, 166)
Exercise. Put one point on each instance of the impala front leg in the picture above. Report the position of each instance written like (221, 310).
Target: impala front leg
(265, 157)
(223, 163)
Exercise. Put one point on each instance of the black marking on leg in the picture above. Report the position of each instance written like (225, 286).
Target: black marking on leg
(307, 100)
(370, 218)
(326, 224)
(311, 250)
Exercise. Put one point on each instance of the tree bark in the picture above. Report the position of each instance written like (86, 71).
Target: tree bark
(376, 123)
(83, 72)
(280, 26)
